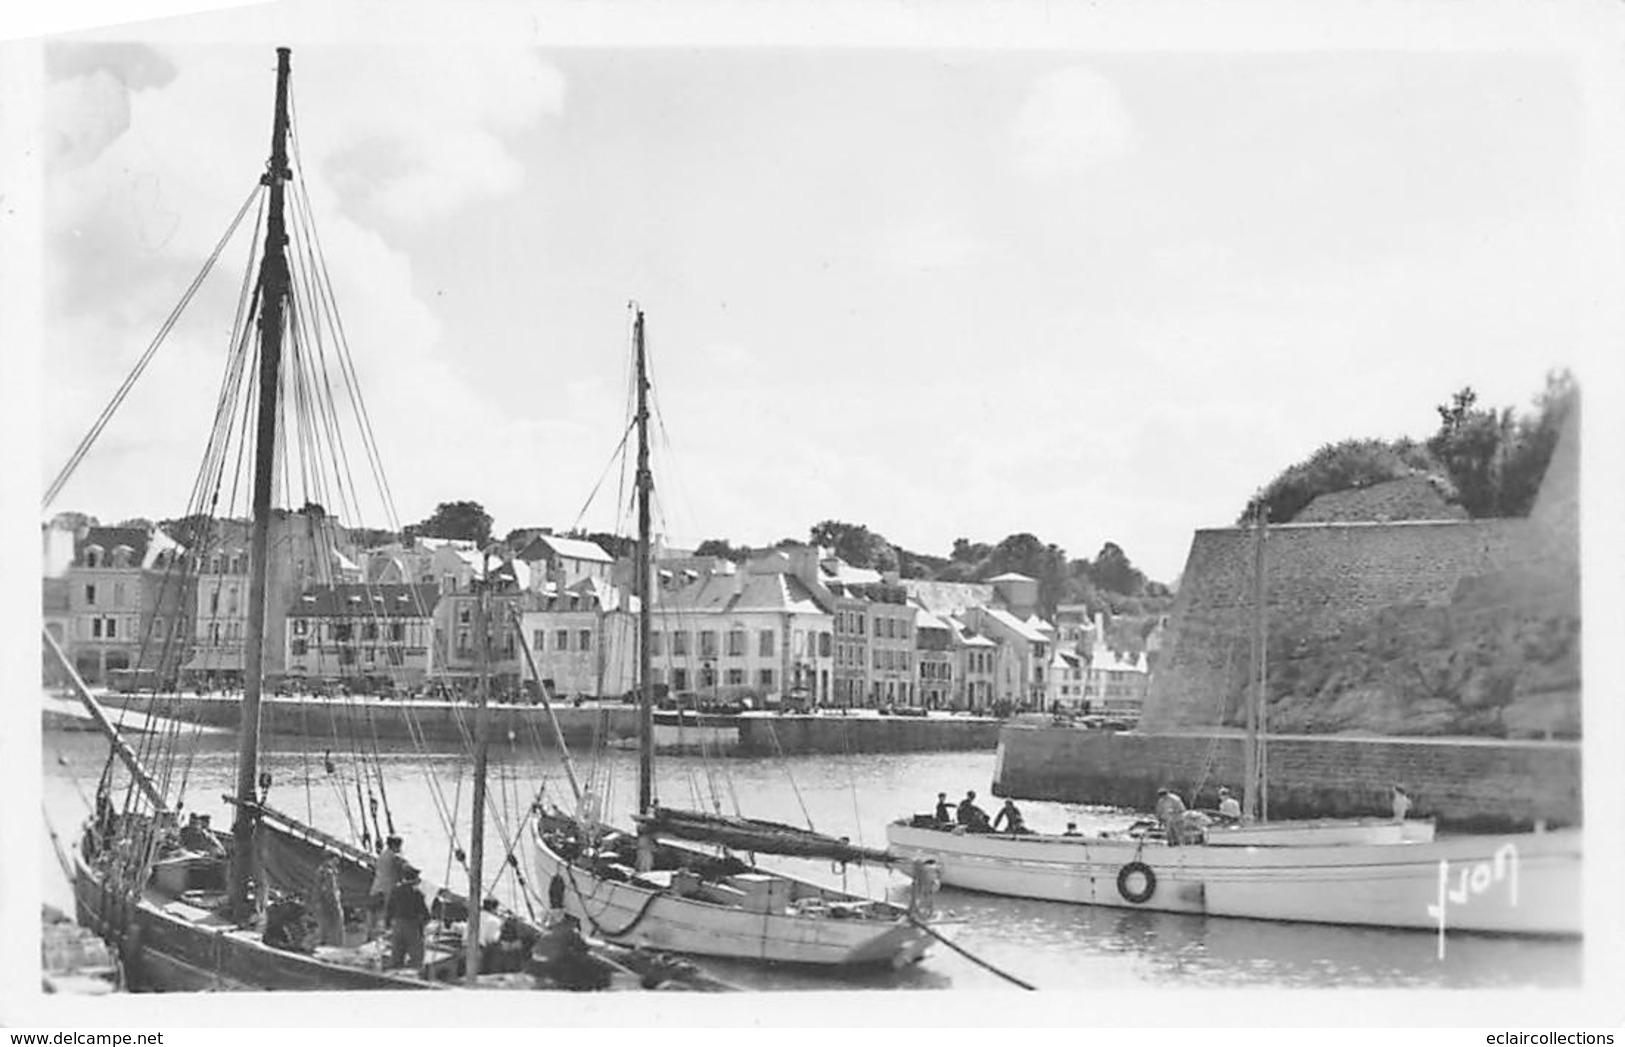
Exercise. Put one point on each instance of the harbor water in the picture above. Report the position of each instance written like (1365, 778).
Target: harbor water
(1051, 945)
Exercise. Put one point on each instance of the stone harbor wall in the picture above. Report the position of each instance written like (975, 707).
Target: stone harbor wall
(1482, 785)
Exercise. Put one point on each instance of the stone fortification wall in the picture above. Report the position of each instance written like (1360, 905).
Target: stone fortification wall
(1480, 785)
(1467, 627)
(1323, 580)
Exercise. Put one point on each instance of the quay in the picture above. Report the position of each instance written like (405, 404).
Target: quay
(72, 958)
(1467, 784)
(614, 723)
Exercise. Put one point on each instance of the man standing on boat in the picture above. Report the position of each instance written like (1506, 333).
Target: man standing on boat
(386, 874)
(1171, 813)
(945, 810)
(407, 915)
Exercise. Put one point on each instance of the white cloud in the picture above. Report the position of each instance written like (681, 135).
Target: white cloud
(1071, 120)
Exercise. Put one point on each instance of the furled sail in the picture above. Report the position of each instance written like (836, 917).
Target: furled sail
(756, 835)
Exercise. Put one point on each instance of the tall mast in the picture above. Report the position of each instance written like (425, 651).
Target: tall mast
(272, 293)
(1255, 804)
(476, 846)
(645, 485)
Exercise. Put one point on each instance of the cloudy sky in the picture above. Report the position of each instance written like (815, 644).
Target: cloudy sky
(1094, 293)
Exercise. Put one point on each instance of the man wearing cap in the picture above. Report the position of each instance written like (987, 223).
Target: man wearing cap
(1229, 807)
(407, 915)
(386, 874)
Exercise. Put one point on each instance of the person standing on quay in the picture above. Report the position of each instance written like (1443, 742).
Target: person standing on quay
(1402, 803)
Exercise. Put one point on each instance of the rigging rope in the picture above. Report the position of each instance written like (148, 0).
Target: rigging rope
(67, 470)
(967, 954)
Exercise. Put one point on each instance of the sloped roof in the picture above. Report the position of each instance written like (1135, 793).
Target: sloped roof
(721, 593)
(569, 548)
(1011, 576)
(110, 538)
(1016, 625)
(366, 601)
(948, 598)
(924, 619)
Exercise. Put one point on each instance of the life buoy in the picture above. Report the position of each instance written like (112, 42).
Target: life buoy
(1127, 873)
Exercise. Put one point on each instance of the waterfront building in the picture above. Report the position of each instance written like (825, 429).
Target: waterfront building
(852, 622)
(367, 637)
(307, 548)
(934, 652)
(560, 562)
(1068, 677)
(891, 645)
(765, 633)
(126, 594)
(974, 657)
(583, 640)
(461, 661)
(1021, 663)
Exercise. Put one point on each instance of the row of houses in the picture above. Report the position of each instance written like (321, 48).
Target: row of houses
(795, 625)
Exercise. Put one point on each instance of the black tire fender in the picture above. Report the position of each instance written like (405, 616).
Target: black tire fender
(1127, 873)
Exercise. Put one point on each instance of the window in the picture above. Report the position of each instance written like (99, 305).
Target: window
(369, 631)
(824, 642)
(656, 643)
(536, 640)
(508, 650)
(708, 643)
(679, 642)
(299, 626)
(239, 565)
(112, 628)
(765, 677)
(298, 648)
(395, 656)
(679, 679)
(397, 632)
(862, 623)
(231, 600)
(462, 614)
(346, 655)
(96, 628)
(214, 602)
(371, 655)
(708, 678)
(93, 556)
(736, 643)
(585, 636)
(736, 677)
(342, 631)
(118, 594)
(462, 643)
(877, 657)
(657, 677)
(561, 639)
(90, 594)
(764, 643)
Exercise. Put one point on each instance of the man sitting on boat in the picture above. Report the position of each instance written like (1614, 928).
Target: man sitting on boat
(1010, 817)
(1229, 806)
(972, 817)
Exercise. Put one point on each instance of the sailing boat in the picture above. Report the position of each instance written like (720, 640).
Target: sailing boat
(183, 908)
(182, 912)
(649, 887)
(1367, 872)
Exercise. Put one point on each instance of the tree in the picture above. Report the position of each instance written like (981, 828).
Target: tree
(1339, 467)
(1469, 444)
(1026, 554)
(1524, 463)
(72, 521)
(1113, 572)
(722, 549)
(855, 544)
(467, 521)
(372, 537)
(966, 551)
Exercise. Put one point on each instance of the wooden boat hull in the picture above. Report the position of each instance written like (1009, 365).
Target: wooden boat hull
(630, 914)
(1513, 884)
(170, 950)
(1323, 832)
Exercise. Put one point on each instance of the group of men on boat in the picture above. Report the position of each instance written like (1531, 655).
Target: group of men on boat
(974, 819)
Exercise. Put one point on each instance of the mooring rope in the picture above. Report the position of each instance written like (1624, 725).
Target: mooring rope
(972, 957)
